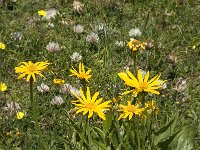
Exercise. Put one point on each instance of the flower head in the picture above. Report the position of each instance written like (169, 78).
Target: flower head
(50, 14)
(58, 81)
(53, 47)
(90, 105)
(2, 46)
(130, 110)
(82, 74)
(42, 13)
(78, 28)
(43, 88)
(20, 115)
(76, 57)
(141, 84)
(78, 6)
(151, 106)
(57, 100)
(92, 38)
(135, 32)
(31, 69)
(3, 87)
(134, 44)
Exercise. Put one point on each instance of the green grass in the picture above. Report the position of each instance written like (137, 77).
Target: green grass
(171, 26)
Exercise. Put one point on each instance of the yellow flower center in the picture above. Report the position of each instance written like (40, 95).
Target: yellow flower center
(32, 68)
(82, 75)
(90, 105)
(132, 109)
(143, 85)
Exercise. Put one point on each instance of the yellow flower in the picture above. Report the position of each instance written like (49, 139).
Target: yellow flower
(2, 46)
(90, 104)
(151, 105)
(81, 74)
(20, 115)
(140, 84)
(31, 69)
(3, 87)
(130, 110)
(42, 13)
(134, 44)
(58, 81)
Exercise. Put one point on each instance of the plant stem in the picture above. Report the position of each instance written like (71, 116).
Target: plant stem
(34, 115)
(138, 137)
(134, 63)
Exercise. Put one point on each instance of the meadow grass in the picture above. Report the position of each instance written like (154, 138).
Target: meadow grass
(170, 31)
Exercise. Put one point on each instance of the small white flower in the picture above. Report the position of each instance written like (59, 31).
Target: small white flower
(57, 100)
(76, 57)
(50, 14)
(78, 6)
(143, 73)
(135, 32)
(17, 36)
(78, 28)
(92, 38)
(181, 85)
(68, 89)
(11, 107)
(120, 43)
(51, 25)
(53, 47)
(43, 88)
(164, 85)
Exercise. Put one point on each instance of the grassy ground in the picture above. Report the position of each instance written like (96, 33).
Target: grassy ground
(171, 28)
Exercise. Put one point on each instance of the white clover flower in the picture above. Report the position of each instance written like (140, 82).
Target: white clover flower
(17, 36)
(53, 47)
(120, 43)
(78, 28)
(57, 100)
(135, 32)
(43, 88)
(78, 6)
(68, 89)
(11, 107)
(76, 57)
(51, 14)
(92, 38)
(181, 85)
(51, 25)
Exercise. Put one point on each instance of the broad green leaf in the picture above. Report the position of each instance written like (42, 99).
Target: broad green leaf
(165, 132)
(108, 122)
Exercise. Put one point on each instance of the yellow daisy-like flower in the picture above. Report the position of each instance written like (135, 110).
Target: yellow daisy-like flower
(58, 81)
(42, 13)
(31, 69)
(134, 44)
(130, 110)
(20, 115)
(2, 46)
(151, 105)
(90, 104)
(82, 74)
(3, 87)
(140, 84)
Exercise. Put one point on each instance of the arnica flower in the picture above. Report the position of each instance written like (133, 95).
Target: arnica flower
(58, 81)
(31, 69)
(130, 110)
(20, 115)
(135, 45)
(42, 13)
(2, 46)
(3, 87)
(90, 105)
(82, 74)
(151, 106)
(140, 84)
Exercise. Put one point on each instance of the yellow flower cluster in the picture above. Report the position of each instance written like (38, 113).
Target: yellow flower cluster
(135, 45)
(2, 45)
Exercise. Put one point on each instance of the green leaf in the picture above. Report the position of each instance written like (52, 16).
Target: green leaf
(108, 122)
(114, 138)
(165, 132)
